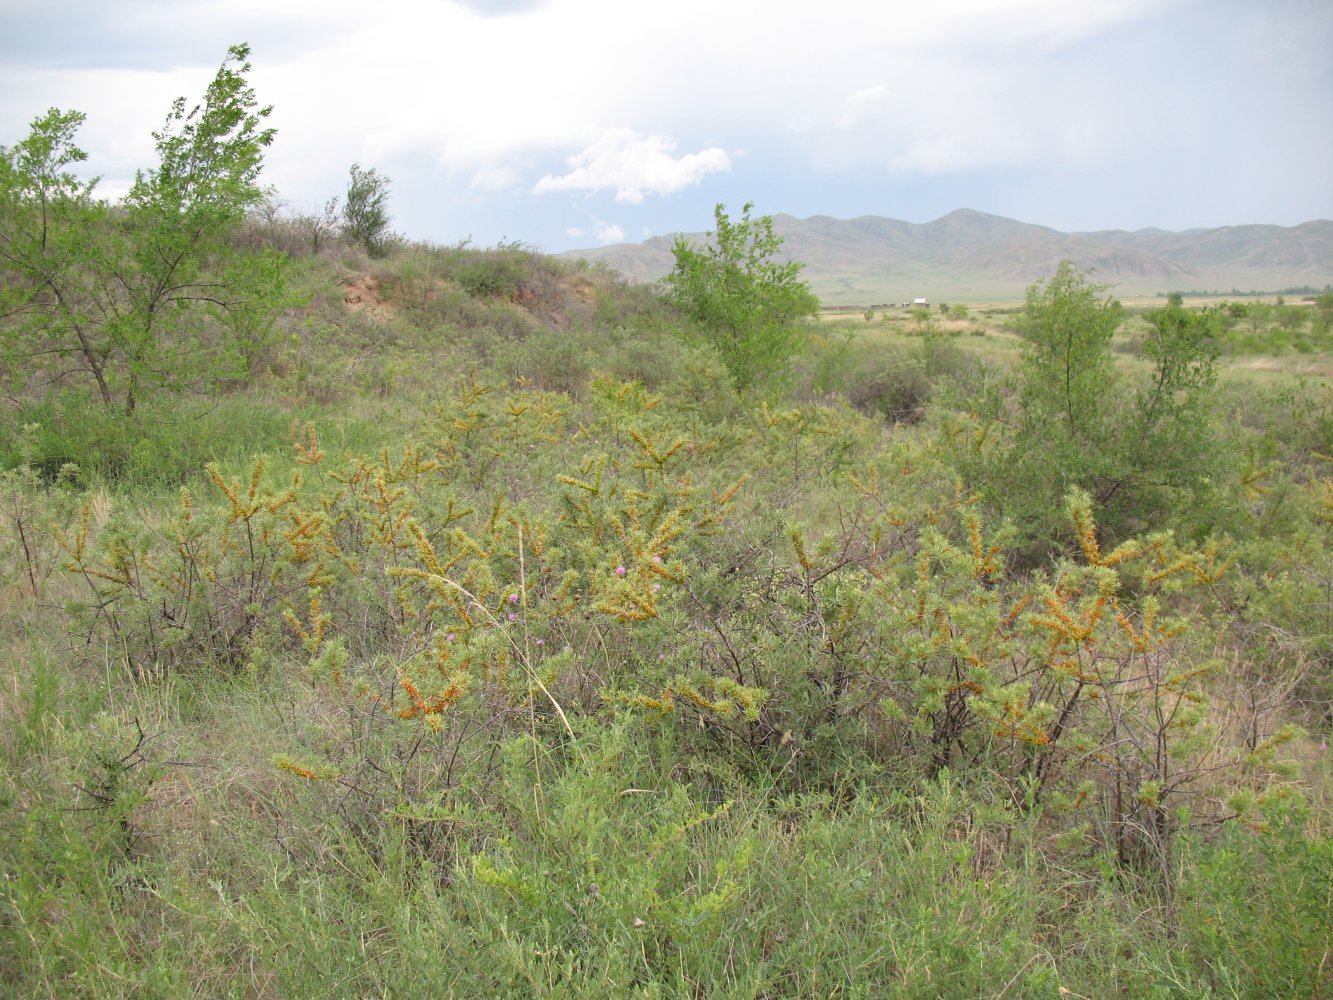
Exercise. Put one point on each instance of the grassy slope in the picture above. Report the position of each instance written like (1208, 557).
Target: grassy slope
(154, 845)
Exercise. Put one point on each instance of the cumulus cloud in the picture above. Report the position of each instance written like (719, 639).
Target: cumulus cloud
(634, 164)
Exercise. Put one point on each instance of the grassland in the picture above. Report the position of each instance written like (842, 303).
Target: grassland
(489, 643)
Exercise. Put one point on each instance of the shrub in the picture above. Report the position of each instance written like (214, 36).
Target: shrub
(743, 300)
(491, 273)
(1137, 449)
(365, 212)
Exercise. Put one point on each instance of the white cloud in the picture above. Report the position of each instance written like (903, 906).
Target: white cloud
(438, 83)
(858, 103)
(601, 231)
(634, 165)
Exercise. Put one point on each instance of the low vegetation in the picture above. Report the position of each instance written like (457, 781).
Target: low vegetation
(500, 629)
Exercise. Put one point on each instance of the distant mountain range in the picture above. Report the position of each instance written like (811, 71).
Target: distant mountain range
(972, 256)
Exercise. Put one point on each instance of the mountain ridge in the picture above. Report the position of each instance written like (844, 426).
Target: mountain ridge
(968, 254)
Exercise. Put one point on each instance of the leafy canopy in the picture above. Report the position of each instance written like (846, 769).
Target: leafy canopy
(741, 296)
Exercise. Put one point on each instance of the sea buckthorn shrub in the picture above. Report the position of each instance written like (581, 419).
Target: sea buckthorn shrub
(529, 561)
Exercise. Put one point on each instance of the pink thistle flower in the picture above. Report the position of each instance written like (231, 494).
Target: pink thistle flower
(513, 598)
(620, 571)
(513, 617)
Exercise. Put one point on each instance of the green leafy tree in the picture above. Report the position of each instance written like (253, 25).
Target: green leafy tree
(1067, 364)
(1140, 448)
(49, 298)
(741, 297)
(366, 210)
(152, 292)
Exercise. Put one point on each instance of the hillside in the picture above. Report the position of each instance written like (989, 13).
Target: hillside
(973, 256)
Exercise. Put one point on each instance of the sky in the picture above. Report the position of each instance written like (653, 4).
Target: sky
(576, 123)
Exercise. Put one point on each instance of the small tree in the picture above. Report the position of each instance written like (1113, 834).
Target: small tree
(1291, 318)
(744, 301)
(1066, 397)
(49, 300)
(1260, 316)
(365, 210)
(1136, 447)
(1067, 362)
(123, 295)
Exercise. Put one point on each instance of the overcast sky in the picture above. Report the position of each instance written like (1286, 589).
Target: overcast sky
(572, 123)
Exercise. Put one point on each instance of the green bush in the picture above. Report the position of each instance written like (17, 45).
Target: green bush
(166, 441)
(892, 385)
(741, 298)
(491, 273)
(1143, 448)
